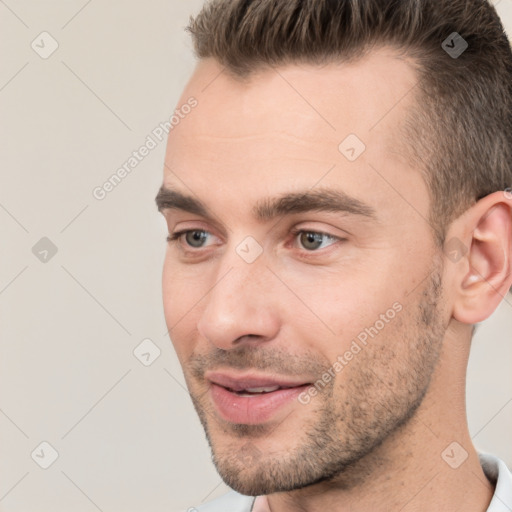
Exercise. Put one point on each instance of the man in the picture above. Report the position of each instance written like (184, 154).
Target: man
(339, 220)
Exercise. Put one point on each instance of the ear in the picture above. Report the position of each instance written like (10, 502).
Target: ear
(479, 245)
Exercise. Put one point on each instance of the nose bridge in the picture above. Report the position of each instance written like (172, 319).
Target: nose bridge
(243, 268)
(239, 302)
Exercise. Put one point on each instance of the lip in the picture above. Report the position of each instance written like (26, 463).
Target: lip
(255, 409)
(241, 382)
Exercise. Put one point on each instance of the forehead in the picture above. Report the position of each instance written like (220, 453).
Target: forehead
(370, 94)
(290, 125)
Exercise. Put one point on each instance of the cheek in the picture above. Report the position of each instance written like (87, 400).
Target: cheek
(180, 289)
(342, 307)
(181, 302)
(338, 299)
(169, 292)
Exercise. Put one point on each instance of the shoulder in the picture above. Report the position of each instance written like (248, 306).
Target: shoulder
(230, 502)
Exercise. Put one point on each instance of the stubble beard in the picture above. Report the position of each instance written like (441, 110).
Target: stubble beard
(351, 418)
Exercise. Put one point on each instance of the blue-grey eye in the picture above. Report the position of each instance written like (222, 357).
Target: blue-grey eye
(311, 240)
(196, 238)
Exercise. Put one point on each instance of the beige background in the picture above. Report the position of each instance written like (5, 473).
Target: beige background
(126, 434)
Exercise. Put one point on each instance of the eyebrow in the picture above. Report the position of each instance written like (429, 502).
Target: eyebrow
(320, 200)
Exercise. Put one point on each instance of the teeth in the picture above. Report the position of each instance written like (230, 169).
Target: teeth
(260, 390)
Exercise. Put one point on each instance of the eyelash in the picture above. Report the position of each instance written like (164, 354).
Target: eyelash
(176, 236)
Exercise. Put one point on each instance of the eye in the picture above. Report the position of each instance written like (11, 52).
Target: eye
(313, 240)
(193, 238)
(308, 240)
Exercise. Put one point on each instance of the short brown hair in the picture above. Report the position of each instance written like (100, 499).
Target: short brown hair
(460, 135)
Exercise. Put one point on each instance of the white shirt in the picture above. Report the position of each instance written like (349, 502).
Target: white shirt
(495, 470)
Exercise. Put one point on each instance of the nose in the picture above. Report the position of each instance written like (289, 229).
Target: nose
(241, 306)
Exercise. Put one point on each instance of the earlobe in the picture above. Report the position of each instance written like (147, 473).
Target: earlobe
(487, 272)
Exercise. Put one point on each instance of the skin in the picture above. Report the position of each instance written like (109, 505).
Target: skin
(372, 439)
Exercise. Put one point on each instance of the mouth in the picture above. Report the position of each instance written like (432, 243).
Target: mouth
(252, 399)
(256, 391)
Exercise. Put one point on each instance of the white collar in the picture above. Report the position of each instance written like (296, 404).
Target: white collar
(499, 474)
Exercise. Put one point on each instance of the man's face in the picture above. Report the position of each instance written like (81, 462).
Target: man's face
(305, 261)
